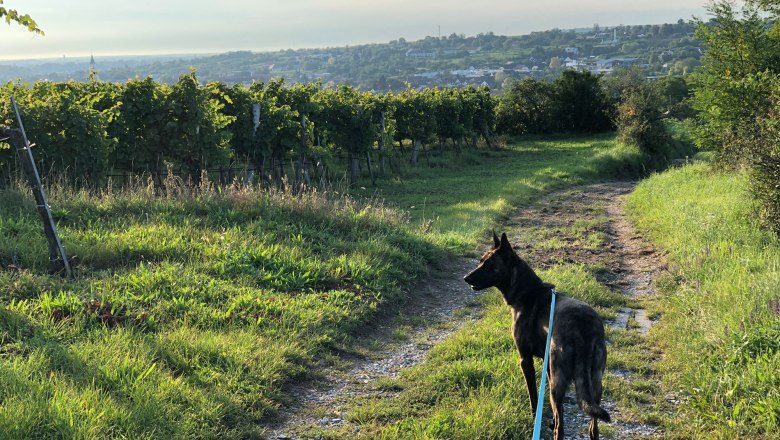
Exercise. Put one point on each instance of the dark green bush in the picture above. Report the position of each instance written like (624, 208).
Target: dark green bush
(639, 120)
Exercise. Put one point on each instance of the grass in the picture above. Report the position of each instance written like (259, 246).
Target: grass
(190, 312)
(459, 198)
(193, 311)
(720, 325)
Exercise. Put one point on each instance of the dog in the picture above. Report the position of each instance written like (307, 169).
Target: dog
(578, 350)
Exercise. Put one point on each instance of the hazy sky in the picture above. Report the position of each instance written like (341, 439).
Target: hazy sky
(81, 27)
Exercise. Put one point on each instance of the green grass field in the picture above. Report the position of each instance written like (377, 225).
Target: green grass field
(720, 327)
(192, 312)
(189, 313)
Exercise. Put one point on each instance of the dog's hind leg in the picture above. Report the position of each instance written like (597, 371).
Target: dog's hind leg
(593, 430)
(557, 393)
(596, 376)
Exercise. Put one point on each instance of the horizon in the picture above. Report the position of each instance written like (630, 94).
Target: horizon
(219, 52)
(193, 29)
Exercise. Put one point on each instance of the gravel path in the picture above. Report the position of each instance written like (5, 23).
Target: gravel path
(433, 301)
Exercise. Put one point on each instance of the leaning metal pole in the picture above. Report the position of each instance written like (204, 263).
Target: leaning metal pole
(58, 260)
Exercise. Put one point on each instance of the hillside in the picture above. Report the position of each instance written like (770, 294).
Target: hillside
(453, 60)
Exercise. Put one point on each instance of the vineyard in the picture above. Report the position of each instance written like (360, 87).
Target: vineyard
(87, 131)
(273, 132)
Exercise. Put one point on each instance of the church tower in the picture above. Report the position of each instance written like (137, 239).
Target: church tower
(93, 75)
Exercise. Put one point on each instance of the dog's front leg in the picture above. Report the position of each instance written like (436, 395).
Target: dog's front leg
(527, 364)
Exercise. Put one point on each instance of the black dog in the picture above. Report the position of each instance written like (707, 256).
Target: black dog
(577, 349)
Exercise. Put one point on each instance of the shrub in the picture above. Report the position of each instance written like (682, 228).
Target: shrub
(639, 121)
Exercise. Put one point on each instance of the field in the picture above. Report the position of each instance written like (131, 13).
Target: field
(197, 312)
(193, 312)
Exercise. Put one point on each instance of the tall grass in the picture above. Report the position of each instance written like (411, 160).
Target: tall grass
(720, 303)
(192, 307)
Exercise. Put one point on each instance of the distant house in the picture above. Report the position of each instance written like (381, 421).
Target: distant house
(607, 65)
(419, 53)
(572, 51)
(624, 62)
(473, 72)
(570, 63)
(429, 75)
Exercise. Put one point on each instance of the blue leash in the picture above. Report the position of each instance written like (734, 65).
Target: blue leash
(540, 399)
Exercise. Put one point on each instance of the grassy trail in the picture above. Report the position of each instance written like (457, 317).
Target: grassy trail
(439, 305)
(470, 386)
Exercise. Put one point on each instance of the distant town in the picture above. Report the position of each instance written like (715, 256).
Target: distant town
(448, 61)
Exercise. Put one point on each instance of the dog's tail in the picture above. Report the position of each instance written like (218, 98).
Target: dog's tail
(586, 373)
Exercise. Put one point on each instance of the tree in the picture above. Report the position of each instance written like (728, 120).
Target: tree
(732, 90)
(12, 16)
(736, 94)
(140, 126)
(72, 134)
(580, 105)
(196, 129)
(525, 108)
(350, 123)
(639, 120)
(501, 76)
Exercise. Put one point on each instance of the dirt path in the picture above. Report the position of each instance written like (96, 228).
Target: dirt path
(586, 225)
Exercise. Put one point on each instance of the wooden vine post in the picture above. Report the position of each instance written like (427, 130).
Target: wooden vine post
(382, 144)
(58, 260)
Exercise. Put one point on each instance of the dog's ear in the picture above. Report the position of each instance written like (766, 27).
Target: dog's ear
(496, 241)
(505, 242)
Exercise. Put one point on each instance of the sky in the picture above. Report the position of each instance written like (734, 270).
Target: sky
(146, 27)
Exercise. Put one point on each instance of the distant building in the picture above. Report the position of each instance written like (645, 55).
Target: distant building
(93, 74)
(419, 53)
(617, 62)
(606, 66)
(572, 51)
